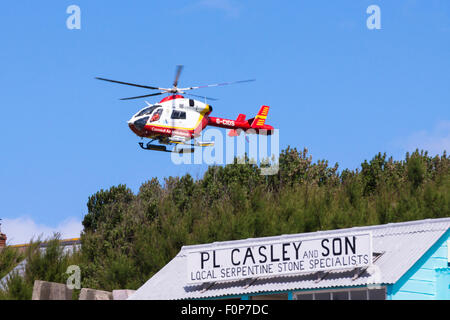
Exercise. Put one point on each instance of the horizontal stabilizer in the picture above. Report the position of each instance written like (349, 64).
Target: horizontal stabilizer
(177, 139)
(233, 133)
(204, 143)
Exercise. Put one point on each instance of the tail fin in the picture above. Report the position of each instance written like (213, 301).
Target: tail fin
(260, 118)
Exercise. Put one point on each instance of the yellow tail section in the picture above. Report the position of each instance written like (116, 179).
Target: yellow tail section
(261, 117)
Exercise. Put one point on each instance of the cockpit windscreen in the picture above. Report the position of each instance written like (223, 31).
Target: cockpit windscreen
(148, 110)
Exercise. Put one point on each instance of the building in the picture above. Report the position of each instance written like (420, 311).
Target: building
(3, 239)
(408, 260)
(68, 246)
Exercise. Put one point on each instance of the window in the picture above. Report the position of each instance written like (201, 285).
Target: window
(341, 295)
(281, 296)
(156, 115)
(377, 294)
(140, 123)
(322, 296)
(178, 115)
(306, 296)
(148, 110)
(358, 295)
(344, 294)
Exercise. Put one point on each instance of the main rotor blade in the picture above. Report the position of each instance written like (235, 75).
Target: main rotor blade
(194, 95)
(177, 75)
(129, 84)
(217, 84)
(147, 95)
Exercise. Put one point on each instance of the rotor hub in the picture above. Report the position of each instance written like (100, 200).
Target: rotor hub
(172, 97)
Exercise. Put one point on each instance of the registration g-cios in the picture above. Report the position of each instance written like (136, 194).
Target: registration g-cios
(252, 309)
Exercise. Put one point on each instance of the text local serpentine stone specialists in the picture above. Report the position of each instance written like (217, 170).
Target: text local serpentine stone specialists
(279, 258)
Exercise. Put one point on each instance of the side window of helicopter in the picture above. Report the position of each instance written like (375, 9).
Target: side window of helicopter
(178, 115)
(156, 115)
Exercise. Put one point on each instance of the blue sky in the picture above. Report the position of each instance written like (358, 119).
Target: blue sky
(343, 91)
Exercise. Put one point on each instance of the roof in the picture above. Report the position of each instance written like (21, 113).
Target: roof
(64, 242)
(396, 248)
(68, 246)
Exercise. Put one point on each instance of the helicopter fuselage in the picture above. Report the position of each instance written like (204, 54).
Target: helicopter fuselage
(174, 116)
(176, 119)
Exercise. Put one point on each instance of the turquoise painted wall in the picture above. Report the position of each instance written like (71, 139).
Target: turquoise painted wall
(428, 279)
(443, 283)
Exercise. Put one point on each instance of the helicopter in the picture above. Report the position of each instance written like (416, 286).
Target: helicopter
(177, 120)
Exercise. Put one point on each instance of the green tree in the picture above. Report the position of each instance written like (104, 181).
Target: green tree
(107, 206)
(129, 238)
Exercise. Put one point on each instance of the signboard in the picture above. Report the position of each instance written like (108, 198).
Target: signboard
(281, 257)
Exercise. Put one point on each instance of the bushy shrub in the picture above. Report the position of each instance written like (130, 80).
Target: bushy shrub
(45, 260)
(127, 238)
(134, 236)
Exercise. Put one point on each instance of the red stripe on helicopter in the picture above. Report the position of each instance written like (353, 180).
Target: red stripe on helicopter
(169, 131)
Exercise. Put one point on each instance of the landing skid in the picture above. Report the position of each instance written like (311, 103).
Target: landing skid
(155, 147)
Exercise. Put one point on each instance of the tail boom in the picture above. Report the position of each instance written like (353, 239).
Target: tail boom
(254, 125)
